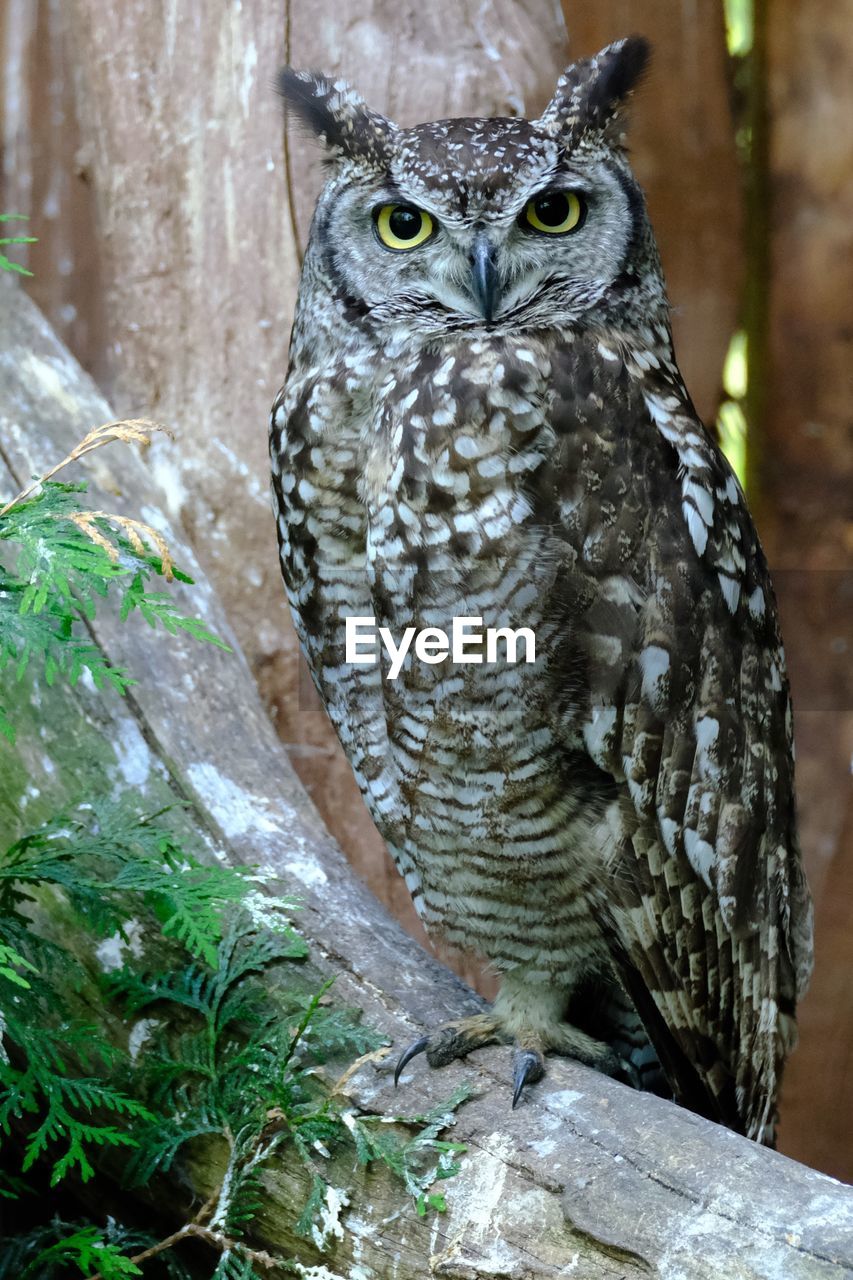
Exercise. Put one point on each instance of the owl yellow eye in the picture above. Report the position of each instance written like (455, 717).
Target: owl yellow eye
(402, 226)
(555, 213)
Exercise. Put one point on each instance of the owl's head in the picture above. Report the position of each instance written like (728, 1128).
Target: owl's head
(473, 223)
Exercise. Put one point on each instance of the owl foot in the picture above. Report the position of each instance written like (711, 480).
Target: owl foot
(566, 1041)
(458, 1039)
(529, 1058)
(453, 1040)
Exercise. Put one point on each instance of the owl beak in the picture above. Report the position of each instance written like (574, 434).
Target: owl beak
(484, 275)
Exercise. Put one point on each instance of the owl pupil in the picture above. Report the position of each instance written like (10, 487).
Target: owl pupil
(552, 210)
(405, 223)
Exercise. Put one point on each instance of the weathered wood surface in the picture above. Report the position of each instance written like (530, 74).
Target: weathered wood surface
(586, 1178)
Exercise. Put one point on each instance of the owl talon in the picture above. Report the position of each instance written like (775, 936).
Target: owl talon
(452, 1041)
(418, 1046)
(528, 1068)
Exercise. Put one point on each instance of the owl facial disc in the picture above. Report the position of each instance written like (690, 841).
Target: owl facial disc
(498, 223)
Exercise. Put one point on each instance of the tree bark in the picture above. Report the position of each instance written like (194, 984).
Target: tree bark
(804, 449)
(586, 1177)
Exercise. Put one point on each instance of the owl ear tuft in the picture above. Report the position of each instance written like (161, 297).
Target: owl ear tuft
(591, 94)
(337, 115)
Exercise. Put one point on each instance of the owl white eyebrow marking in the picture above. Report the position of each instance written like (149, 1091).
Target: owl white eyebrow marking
(561, 178)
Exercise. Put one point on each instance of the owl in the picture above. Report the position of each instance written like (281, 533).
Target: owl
(483, 419)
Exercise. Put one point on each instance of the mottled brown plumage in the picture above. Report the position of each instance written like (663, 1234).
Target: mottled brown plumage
(491, 423)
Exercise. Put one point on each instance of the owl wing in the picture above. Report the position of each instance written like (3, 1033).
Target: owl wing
(707, 909)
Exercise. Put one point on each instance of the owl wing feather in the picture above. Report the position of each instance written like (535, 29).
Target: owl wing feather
(708, 912)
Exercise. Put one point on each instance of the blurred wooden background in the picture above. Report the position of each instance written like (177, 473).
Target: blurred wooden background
(145, 143)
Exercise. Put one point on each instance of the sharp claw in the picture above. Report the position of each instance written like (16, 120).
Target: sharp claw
(527, 1069)
(406, 1056)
